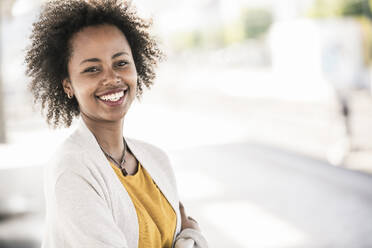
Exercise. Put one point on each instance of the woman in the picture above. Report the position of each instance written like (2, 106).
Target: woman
(90, 59)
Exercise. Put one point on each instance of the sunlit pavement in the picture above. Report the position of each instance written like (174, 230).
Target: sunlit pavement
(249, 195)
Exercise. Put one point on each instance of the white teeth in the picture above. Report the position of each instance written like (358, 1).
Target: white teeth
(112, 97)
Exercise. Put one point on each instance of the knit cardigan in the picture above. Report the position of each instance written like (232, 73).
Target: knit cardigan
(87, 205)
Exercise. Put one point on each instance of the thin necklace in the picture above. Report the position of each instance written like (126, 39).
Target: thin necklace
(121, 164)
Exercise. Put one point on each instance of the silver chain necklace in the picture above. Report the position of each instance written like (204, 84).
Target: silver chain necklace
(121, 164)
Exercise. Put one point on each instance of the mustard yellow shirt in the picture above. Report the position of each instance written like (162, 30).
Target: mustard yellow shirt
(156, 217)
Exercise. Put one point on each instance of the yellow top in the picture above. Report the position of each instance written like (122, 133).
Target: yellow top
(156, 217)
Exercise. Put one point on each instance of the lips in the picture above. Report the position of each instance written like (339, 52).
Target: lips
(112, 91)
(114, 97)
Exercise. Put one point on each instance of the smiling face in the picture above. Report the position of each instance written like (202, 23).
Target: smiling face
(102, 73)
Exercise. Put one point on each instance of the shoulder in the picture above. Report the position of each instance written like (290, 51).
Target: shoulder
(67, 158)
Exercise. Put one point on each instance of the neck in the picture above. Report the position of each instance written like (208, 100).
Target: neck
(109, 135)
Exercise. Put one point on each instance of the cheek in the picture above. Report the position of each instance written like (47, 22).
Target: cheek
(132, 76)
(134, 80)
(84, 90)
(135, 84)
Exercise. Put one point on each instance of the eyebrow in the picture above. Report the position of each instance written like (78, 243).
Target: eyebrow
(98, 60)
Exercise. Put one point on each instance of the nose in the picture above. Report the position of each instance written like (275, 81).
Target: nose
(111, 77)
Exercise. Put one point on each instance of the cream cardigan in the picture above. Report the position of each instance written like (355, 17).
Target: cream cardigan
(88, 207)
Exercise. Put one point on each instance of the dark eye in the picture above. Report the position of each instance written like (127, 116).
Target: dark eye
(91, 69)
(121, 63)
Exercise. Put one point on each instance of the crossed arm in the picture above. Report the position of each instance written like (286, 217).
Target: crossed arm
(190, 236)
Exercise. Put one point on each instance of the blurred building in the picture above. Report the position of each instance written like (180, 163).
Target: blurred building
(308, 54)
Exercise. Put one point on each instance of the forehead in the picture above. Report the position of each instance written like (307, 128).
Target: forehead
(98, 41)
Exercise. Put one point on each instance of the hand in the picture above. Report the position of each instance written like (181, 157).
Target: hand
(187, 222)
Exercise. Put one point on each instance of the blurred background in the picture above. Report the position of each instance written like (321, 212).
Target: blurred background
(264, 107)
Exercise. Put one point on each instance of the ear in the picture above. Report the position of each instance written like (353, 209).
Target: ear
(67, 87)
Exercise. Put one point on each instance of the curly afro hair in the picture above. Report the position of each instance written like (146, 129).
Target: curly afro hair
(50, 50)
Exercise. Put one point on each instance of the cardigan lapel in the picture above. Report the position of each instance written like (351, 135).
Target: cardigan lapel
(154, 169)
(159, 177)
(97, 158)
(143, 156)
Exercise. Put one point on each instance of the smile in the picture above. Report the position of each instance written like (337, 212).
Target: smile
(114, 99)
